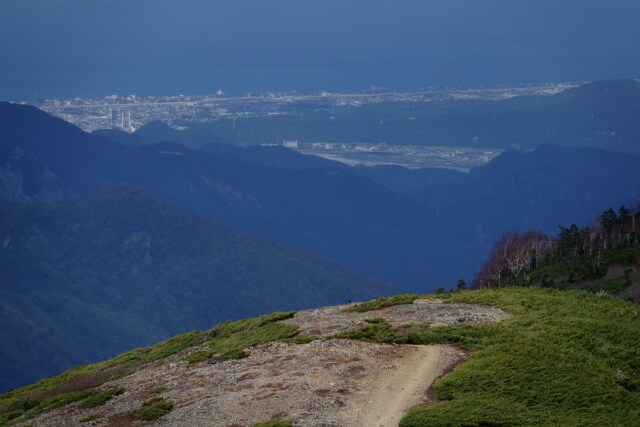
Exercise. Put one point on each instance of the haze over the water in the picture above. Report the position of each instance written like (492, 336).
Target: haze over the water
(67, 48)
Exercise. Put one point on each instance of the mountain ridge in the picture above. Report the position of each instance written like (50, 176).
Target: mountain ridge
(257, 199)
(269, 370)
(412, 228)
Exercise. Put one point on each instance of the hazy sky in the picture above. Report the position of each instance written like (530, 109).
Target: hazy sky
(66, 48)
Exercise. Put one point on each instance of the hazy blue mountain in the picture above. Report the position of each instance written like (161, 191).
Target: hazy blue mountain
(86, 278)
(273, 156)
(410, 181)
(540, 190)
(120, 136)
(331, 211)
(157, 131)
(439, 229)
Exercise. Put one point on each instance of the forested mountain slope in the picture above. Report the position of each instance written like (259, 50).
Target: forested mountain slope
(89, 277)
(603, 257)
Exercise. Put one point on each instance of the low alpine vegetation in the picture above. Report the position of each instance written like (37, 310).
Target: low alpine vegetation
(100, 399)
(384, 302)
(79, 383)
(465, 336)
(153, 409)
(228, 340)
(564, 358)
(91, 417)
(150, 402)
(19, 409)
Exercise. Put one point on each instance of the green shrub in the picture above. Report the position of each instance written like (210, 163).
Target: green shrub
(465, 336)
(153, 412)
(91, 418)
(14, 409)
(375, 320)
(199, 356)
(230, 339)
(613, 285)
(301, 339)
(381, 333)
(384, 302)
(100, 399)
(160, 350)
(158, 390)
(152, 401)
(44, 406)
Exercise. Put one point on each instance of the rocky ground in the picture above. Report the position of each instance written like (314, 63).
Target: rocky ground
(331, 320)
(324, 383)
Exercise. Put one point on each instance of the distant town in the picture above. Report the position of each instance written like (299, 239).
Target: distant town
(129, 113)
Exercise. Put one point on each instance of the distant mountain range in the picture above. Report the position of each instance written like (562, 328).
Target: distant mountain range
(416, 229)
(604, 114)
(86, 278)
(550, 186)
(329, 210)
(157, 131)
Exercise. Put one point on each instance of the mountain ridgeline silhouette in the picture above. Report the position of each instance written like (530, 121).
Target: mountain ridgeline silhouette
(416, 229)
(329, 210)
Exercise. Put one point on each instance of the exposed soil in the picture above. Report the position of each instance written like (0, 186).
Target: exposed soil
(402, 386)
(324, 383)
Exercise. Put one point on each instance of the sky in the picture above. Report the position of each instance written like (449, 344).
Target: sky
(85, 48)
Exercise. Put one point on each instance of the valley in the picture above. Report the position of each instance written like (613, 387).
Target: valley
(412, 157)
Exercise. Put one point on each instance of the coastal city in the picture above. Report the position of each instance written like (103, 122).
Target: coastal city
(187, 112)
(130, 112)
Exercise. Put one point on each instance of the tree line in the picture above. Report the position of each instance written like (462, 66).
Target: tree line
(517, 255)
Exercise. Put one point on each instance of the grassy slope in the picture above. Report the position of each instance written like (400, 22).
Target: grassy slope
(565, 358)
(226, 341)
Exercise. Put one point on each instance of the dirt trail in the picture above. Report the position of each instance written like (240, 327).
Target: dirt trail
(327, 382)
(402, 386)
